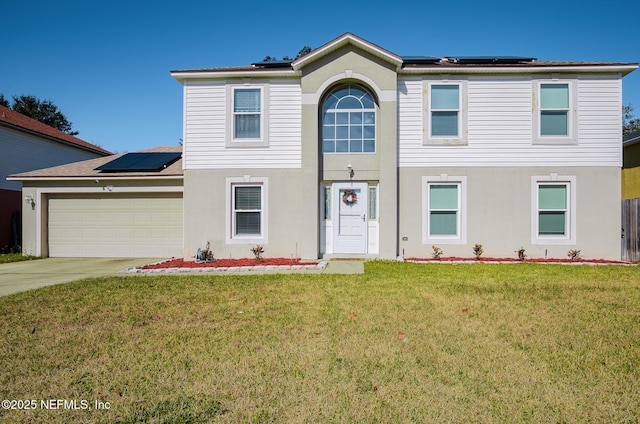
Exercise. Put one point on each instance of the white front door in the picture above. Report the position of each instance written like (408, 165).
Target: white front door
(350, 212)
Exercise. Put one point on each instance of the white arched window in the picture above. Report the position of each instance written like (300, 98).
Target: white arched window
(349, 121)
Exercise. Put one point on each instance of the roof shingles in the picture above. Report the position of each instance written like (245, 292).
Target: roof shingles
(15, 119)
(87, 169)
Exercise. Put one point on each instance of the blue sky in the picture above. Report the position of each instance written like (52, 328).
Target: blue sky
(106, 64)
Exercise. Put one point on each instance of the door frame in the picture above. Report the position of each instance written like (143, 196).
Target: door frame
(349, 244)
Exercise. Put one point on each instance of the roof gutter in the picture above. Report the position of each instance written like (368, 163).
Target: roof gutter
(96, 178)
(621, 69)
(258, 73)
(631, 142)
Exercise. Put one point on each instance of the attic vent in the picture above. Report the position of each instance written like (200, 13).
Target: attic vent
(139, 162)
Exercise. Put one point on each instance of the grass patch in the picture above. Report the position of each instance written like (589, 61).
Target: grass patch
(402, 343)
(6, 258)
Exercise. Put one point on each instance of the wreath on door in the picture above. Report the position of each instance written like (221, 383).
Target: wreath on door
(349, 197)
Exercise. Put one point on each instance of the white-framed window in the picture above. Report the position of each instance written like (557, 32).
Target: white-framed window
(247, 118)
(444, 216)
(326, 202)
(445, 112)
(373, 203)
(555, 117)
(349, 121)
(247, 216)
(553, 218)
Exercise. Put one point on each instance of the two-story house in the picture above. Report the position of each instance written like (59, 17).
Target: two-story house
(352, 150)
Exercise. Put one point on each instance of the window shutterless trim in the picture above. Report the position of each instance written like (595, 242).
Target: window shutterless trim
(263, 139)
(461, 138)
(344, 122)
(373, 203)
(569, 238)
(572, 111)
(230, 231)
(461, 218)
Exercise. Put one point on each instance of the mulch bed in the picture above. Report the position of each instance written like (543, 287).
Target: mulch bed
(533, 260)
(226, 263)
(251, 262)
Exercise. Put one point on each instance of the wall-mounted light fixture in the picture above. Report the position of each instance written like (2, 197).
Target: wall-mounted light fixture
(29, 199)
(350, 170)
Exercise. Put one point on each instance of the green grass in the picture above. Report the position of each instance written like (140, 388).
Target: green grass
(15, 257)
(402, 343)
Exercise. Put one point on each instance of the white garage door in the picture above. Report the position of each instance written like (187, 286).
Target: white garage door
(140, 225)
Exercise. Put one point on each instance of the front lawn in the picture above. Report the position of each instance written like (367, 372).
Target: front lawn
(402, 343)
(15, 257)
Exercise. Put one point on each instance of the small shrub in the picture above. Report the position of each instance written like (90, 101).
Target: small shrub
(521, 255)
(258, 250)
(573, 254)
(477, 250)
(437, 252)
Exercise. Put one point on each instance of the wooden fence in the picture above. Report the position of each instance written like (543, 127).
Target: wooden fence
(630, 222)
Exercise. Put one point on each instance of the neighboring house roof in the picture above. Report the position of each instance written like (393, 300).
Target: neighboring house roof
(12, 119)
(87, 169)
(412, 64)
(631, 139)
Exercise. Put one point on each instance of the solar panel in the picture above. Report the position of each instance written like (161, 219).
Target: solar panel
(418, 60)
(273, 64)
(510, 60)
(143, 161)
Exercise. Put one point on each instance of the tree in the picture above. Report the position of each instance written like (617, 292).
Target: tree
(42, 110)
(630, 123)
(302, 52)
(305, 50)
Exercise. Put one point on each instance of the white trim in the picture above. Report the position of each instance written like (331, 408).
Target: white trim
(567, 239)
(524, 70)
(349, 126)
(463, 137)
(461, 237)
(263, 141)
(98, 178)
(572, 118)
(40, 197)
(359, 246)
(111, 189)
(229, 221)
(184, 76)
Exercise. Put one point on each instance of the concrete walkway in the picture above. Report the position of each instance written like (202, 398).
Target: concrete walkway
(26, 275)
(337, 266)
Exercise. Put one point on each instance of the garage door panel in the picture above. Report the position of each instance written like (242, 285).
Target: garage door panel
(115, 226)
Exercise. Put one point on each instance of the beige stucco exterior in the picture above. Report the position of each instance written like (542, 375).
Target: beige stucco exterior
(500, 205)
(353, 66)
(207, 212)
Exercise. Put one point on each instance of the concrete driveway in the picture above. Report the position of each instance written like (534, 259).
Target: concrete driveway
(21, 276)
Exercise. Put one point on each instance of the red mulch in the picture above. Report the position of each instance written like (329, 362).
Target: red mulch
(534, 260)
(226, 263)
